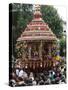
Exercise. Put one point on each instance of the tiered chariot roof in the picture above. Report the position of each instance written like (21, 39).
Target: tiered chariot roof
(37, 29)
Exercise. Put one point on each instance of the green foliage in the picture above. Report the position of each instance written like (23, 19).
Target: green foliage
(51, 17)
(21, 16)
(62, 47)
(62, 42)
(22, 22)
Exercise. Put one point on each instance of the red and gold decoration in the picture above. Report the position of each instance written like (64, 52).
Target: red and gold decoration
(36, 46)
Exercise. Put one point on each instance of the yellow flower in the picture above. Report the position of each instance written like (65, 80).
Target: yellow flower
(58, 58)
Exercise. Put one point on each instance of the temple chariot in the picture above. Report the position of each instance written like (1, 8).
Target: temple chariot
(38, 43)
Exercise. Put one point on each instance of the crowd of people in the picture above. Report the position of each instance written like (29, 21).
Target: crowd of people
(56, 75)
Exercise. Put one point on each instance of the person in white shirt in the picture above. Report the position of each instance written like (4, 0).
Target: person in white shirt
(34, 82)
(25, 75)
(31, 76)
(21, 73)
(17, 72)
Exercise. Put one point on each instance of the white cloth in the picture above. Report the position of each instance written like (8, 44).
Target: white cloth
(31, 78)
(17, 72)
(53, 73)
(13, 82)
(31, 74)
(62, 70)
(21, 82)
(25, 75)
(34, 83)
(50, 75)
(21, 73)
(48, 80)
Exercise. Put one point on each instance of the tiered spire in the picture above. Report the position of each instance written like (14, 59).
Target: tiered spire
(37, 29)
(37, 13)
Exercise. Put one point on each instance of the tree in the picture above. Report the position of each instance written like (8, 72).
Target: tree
(63, 47)
(51, 17)
(21, 16)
